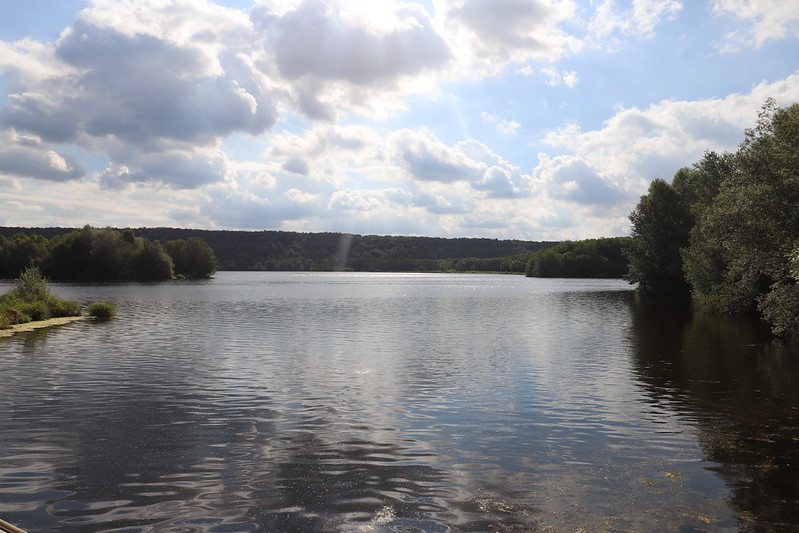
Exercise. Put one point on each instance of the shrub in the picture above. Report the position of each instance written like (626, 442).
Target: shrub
(35, 310)
(13, 316)
(31, 285)
(60, 308)
(102, 310)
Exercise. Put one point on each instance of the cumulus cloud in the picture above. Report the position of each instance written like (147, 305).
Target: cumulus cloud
(575, 180)
(426, 158)
(636, 145)
(490, 35)
(347, 55)
(149, 80)
(27, 157)
(765, 19)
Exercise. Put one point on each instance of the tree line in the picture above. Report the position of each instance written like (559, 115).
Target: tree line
(92, 254)
(725, 231)
(588, 258)
(295, 251)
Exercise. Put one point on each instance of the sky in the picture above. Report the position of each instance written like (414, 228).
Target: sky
(507, 119)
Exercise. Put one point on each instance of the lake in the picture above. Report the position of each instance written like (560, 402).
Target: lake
(331, 402)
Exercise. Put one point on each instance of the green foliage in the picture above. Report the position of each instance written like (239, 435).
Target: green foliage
(661, 224)
(102, 310)
(61, 308)
(193, 258)
(35, 310)
(30, 299)
(21, 251)
(589, 258)
(284, 250)
(740, 255)
(91, 254)
(151, 261)
(31, 285)
(729, 226)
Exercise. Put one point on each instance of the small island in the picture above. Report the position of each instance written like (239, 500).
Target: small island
(30, 305)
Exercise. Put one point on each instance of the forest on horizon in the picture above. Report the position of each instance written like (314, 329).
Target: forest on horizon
(294, 251)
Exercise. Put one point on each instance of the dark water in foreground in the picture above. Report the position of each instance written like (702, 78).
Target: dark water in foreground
(370, 402)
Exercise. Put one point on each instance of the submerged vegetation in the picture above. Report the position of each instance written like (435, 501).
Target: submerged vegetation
(725, 232)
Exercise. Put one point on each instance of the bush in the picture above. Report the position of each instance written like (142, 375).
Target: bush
(61, 308)
(35, 310)
(31, 285)
(102, 310)
(12, 316)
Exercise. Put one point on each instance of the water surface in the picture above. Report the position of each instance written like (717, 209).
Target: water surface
(396, 402)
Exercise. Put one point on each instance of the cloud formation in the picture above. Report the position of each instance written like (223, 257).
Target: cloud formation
(25, 156)
(154, 101)
(766, 20)
(448, 117)
(490, 35)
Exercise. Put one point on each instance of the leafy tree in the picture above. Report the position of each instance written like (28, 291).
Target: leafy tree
(589, 258)
(661, 224)
(193, 257)
(740, 253)
(151, 262)
(20, 252)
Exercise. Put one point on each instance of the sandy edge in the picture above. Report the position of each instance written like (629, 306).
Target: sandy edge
(30, 326)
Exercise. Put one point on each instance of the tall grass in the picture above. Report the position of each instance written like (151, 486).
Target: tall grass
(102, 310)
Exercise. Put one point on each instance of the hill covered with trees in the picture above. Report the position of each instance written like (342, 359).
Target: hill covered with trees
(726, 230)
(293, 251)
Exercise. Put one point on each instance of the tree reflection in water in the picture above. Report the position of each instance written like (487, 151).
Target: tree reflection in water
(737, 385)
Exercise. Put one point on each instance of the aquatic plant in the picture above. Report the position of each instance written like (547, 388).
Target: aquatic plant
(102, 310)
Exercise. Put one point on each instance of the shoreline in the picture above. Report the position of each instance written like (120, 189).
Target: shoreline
(38, 324)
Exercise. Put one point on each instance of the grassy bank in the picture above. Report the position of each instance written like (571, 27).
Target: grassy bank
(30, 301)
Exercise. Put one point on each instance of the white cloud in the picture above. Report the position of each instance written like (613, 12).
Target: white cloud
(502, 126)
(488, 36)
(636, 145)
(346, 56)
(610, 25)
(154, 85)
(426, 158)
(555, 77)
(766, 20)
(27, 157)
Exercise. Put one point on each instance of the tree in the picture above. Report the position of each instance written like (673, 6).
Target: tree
(151, 262)
(193, 257)
(661, 224)
(740, 253)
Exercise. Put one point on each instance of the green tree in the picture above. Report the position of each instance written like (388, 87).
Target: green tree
(151, 262)
(661, 225)
(192, 257)
(740, 253)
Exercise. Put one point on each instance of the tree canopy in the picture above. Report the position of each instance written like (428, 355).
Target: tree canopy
(728, 228)
(589, 258)
(92, 254)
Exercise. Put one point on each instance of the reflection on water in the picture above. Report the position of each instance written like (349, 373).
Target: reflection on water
(370, 402)
(738, 387)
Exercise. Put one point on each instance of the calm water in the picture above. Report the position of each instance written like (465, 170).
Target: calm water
(396, 402)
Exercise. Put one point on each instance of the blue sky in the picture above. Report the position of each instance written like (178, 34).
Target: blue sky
(527, 119)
